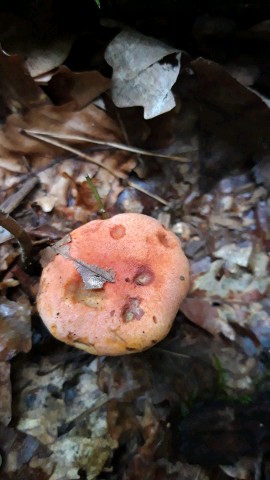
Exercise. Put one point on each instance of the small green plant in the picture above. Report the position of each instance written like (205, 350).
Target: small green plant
(221, 375)
(97, 197)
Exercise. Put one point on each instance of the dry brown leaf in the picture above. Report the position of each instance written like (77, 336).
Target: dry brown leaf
(228, 109)
(18, 91)
(15, 145)
(15, 337)
(24, 456)
(214, 319)
(15, 327)
(229, 294)
(65, 413)
(41, 52)
(42, 58)
(83, 87)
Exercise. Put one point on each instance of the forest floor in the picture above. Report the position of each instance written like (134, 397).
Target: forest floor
(178, 130)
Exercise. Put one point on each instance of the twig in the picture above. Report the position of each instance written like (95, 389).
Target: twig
(152, 195)
(86, 413)
(13, 227)
(14, 200)
(51, 141)
(118, 146)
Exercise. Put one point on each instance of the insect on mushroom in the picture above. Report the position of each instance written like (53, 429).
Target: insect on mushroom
(115, 285)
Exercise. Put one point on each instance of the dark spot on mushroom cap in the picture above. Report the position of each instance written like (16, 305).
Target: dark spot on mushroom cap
(144, 276)
(112, 313)
(182, 277)
(165, 240)
(127, 280)
(154, 319)
(117, 232)
(132, 310)
(130, 349)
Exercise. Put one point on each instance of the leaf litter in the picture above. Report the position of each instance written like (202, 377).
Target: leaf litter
(199, 399)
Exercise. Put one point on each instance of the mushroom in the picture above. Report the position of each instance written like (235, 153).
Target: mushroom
(115, 285)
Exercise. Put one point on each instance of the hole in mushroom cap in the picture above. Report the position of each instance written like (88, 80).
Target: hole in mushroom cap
(165, 240)
(75, 292)
(132, 310)
(117, 232)
(144, 276)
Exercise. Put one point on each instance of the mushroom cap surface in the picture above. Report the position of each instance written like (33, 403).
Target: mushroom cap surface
(135, 311)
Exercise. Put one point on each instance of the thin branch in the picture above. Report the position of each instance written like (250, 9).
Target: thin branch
(51, 141)
(13, 227)
(152, 195)
(72, 423)
(118, 146)
(14, 200)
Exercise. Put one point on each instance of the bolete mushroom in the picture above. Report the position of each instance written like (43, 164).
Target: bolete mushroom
(114, 286)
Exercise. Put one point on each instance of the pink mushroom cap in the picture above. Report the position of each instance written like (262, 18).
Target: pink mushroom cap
(135, 310)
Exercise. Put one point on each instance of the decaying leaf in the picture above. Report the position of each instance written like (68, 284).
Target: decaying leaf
(235, 254)
(154, 410)
(92, 276)
(83, 87)
(140, 78)
(23, 456)
(15, 337)
(224, 101)
(66, 414)
(41, 59)
(15, 327)
(18, 91)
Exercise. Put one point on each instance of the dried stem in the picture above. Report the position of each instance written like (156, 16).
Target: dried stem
(116, 145)
(13, 201)
(152, 195)
(50, 138)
